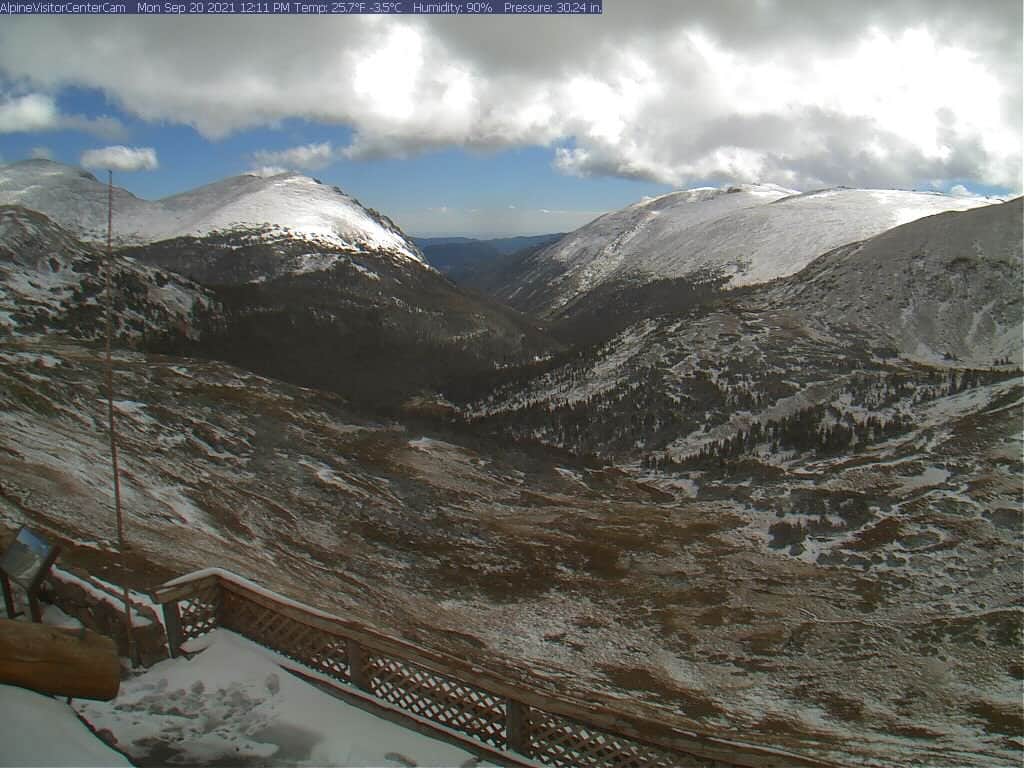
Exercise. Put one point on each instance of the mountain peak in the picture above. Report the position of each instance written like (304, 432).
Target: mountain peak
(741, 234)
(288, 205)
(704, 194)
(40, 166)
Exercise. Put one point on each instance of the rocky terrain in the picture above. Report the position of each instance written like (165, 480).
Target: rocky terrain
(825, 338)
(859, 606)
(50, 281)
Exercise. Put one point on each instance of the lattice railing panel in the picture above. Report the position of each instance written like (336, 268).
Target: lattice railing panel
(199, 613)
(451, 703)
(313, 647)
(547, 738)
(565, 743)
(330, 655)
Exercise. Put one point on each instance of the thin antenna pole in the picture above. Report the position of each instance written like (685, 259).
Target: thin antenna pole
(110, 417)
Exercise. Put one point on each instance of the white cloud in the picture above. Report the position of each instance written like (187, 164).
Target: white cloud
(959, 190)
(307, 157)
(33, 112)
(39, 112)
(875, 93)
(121, 158)
(41, 153)
(265, 171)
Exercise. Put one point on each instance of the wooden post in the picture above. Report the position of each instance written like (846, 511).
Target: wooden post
(172, 624)
(218, 605)
(12, 612)
(37, 582)
(358, 667)
(33, 607)
(517, 727)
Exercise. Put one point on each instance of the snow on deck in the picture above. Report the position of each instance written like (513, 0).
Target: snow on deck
(37, 730)
(232, 701)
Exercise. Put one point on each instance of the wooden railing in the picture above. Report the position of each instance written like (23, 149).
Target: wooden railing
(486, 714)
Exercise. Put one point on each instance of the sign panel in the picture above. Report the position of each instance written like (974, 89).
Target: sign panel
(27, 558)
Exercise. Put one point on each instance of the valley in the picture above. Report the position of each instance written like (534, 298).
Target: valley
(787, 512)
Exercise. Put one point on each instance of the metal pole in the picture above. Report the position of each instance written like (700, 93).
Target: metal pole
(110, 417)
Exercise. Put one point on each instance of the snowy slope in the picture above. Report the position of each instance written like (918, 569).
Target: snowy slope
(581, 575)
(622, 241)
(289, 202)
(50, 281)
(747, 235)
(947, 285)
(286, 206)
(73, 198)
(944, 290)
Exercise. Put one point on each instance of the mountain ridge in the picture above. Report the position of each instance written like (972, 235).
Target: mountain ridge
(285, 206)
(937, 294)
(738, 235)
(374, 326)
(936, 287)
(49, 280)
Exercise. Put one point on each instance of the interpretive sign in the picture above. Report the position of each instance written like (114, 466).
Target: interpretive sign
(26, 561)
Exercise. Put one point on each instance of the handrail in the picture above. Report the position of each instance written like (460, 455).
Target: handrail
(446, 688)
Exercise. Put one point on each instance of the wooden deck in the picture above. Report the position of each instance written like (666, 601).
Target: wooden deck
(454, 700)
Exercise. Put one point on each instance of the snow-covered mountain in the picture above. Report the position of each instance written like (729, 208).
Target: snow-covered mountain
(740, 235)
(288, 206)
(312, 287)
(943, 292)
(946, 286)
(51, 281)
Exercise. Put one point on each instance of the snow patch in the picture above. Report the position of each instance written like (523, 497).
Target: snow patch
(37, 730)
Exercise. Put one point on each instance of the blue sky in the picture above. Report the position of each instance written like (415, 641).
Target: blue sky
(531, 125)
(451, 191)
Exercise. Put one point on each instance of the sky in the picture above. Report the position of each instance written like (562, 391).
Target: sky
(491, 126)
